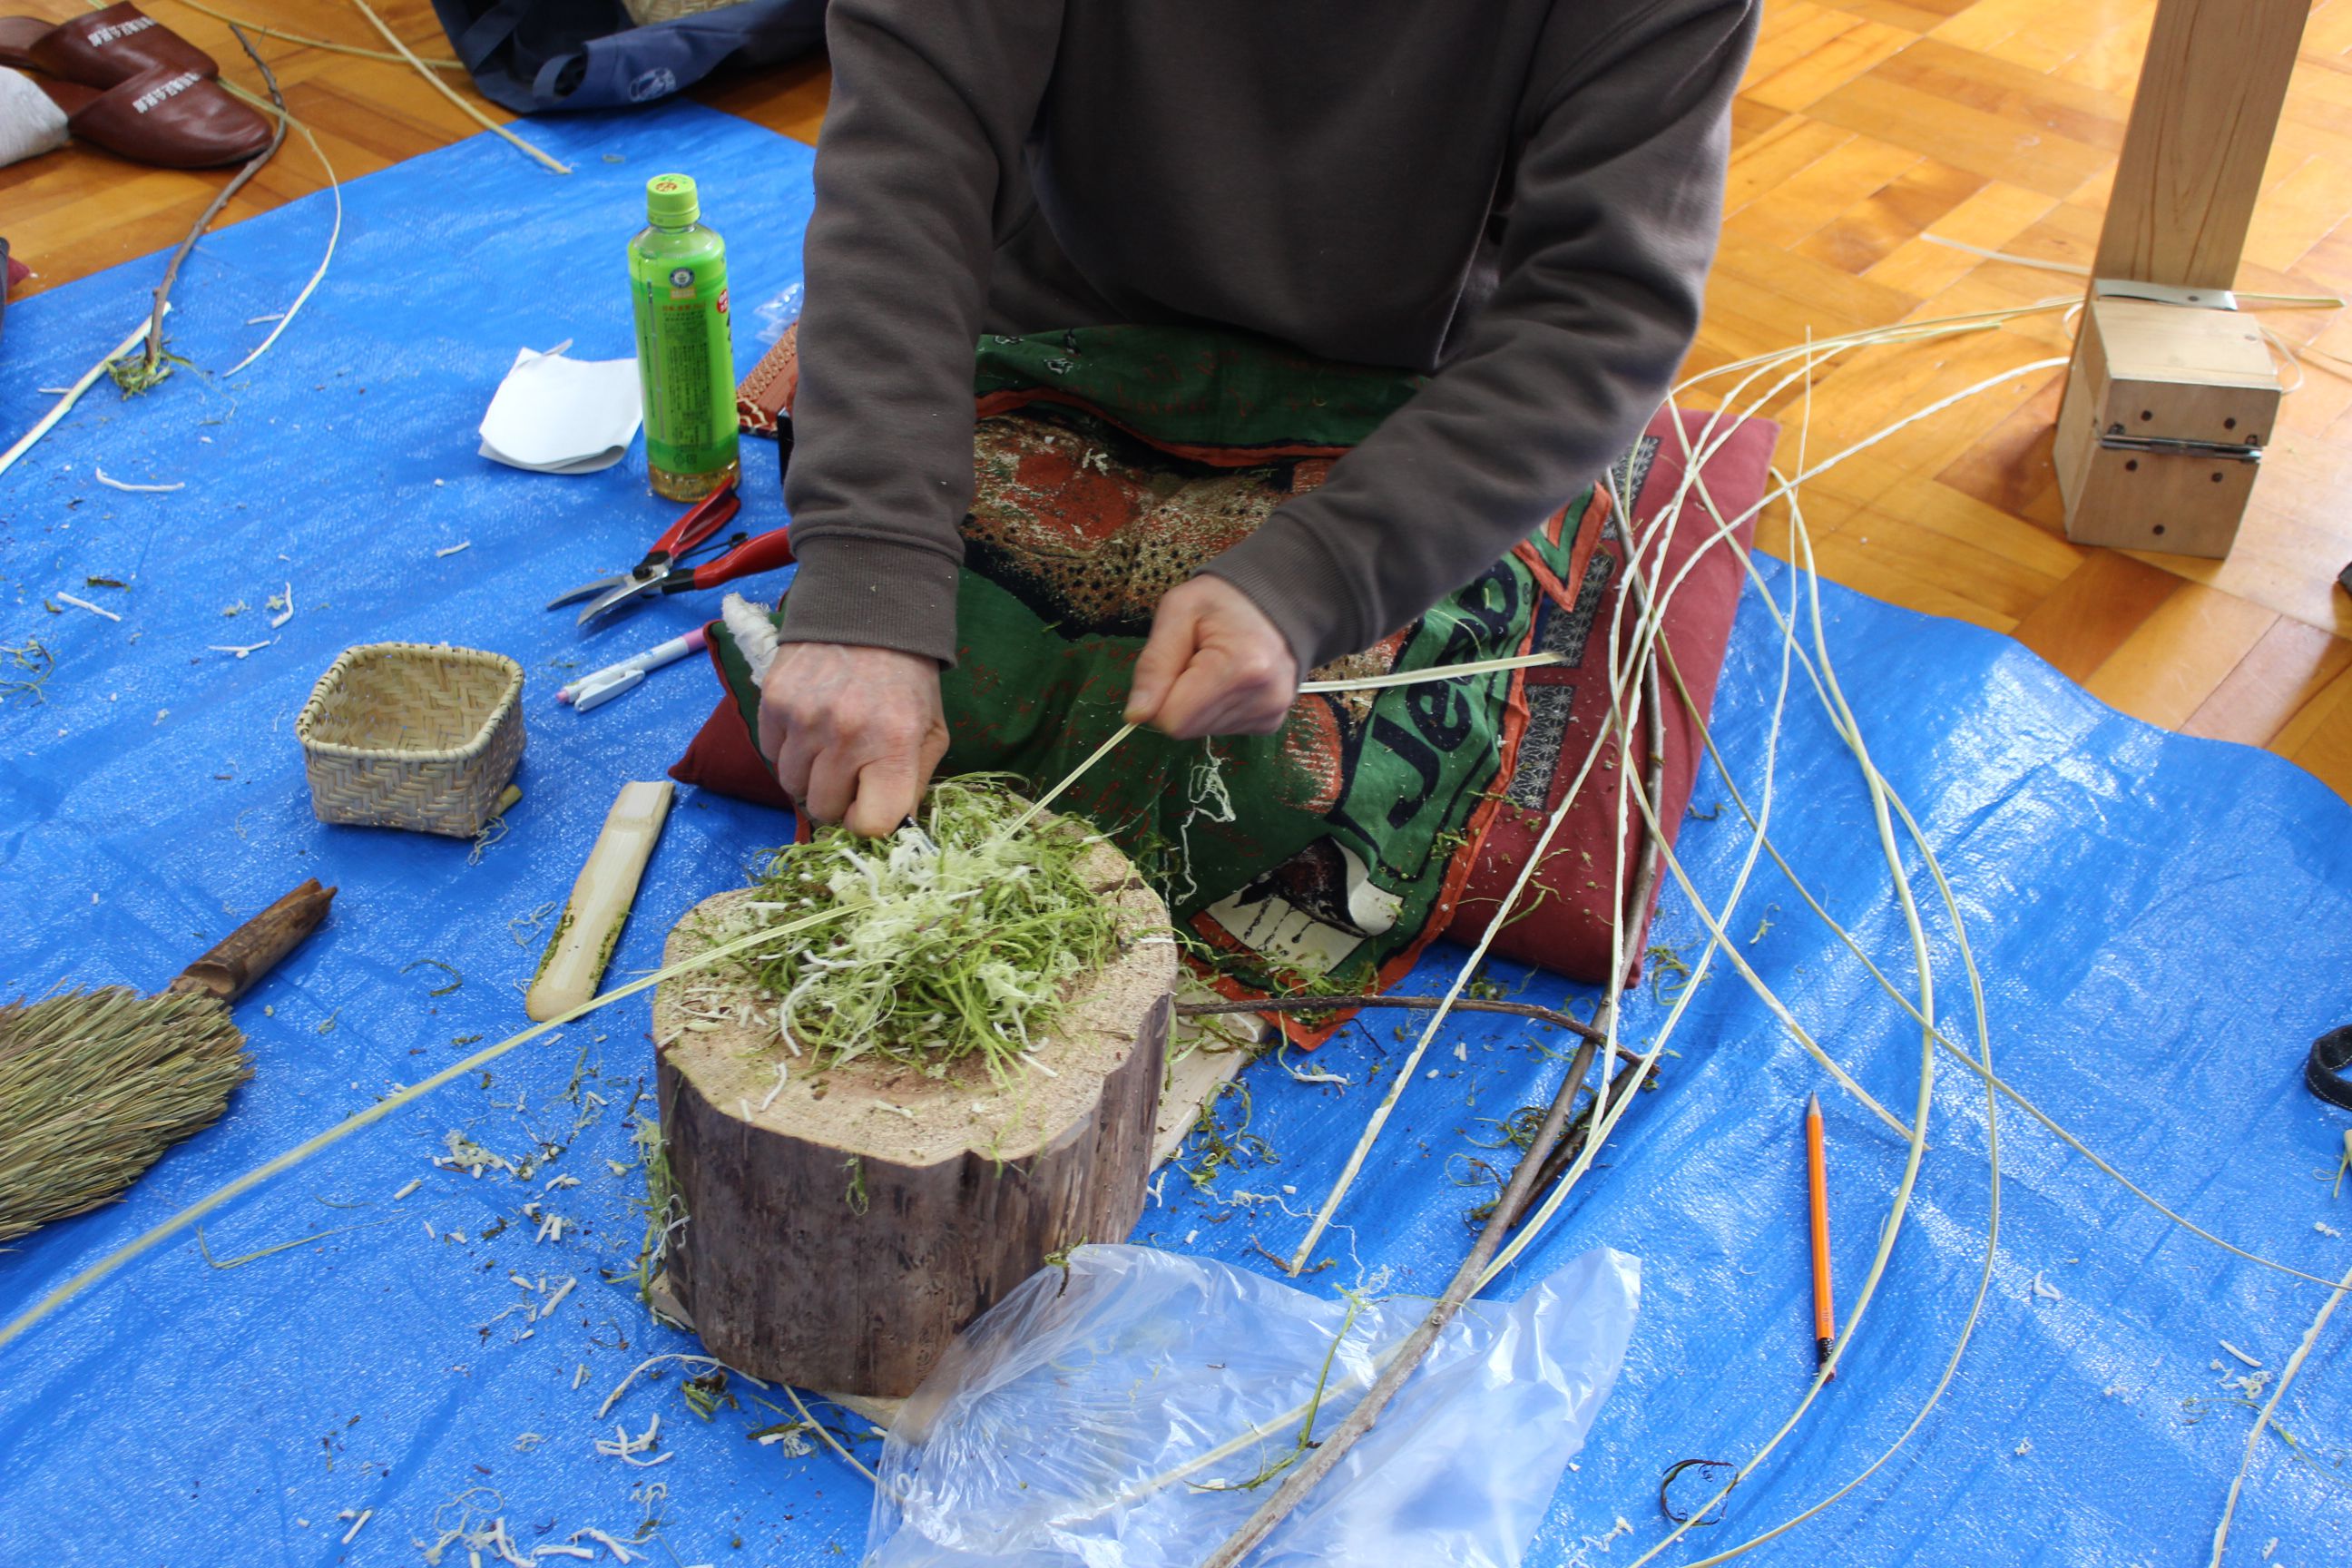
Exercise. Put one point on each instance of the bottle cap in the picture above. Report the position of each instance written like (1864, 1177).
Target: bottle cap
(671, 202)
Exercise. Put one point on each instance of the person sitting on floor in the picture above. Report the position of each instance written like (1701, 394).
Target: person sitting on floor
(1521, 197)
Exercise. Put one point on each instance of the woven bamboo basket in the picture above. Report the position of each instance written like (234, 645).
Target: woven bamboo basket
(414, 735)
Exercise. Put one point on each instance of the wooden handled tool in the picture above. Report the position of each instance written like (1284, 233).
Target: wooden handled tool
(95, 1085)
(582, 943)
(253, 948)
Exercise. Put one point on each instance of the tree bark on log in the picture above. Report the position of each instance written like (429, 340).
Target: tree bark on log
(843, 1227)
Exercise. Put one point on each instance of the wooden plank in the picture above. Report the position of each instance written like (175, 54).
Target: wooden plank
(1998, 590)
(1761, 166)
(2111, 62)
(1914, 15)
(2025, 546)
(2323, 742)
(2009, 468)
(2179, 656)
(1992, 218)
(2091, 614)
(1979, 140)
(2280, 676)
(2297, 210)
(1872, 229)
(2201, 125)
(1813, 197)
(1846, 557)
(2012, 93)
(1847, 46)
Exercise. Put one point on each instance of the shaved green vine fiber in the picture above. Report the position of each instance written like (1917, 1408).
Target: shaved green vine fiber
(958, 939)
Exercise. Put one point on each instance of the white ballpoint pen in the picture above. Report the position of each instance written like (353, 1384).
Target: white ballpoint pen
(603, 685)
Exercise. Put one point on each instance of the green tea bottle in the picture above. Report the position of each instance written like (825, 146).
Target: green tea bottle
(678, 277)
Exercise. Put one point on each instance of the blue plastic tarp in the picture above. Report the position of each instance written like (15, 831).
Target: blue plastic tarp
(2163, 923)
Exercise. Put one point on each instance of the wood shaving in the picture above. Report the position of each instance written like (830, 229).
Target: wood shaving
(281, 606)
(86, 605)
(626, 1449)
(453, 549)
(114, 484)
(240, 649)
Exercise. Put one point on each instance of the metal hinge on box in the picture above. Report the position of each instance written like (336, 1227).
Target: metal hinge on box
(2115, 439)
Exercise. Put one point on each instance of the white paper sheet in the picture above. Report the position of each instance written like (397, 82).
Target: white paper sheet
(554, 414)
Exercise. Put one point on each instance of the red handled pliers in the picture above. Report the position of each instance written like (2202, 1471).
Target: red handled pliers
(665, 569)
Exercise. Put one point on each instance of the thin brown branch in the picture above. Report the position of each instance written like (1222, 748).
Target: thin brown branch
(148, 370)
(1571, 1143)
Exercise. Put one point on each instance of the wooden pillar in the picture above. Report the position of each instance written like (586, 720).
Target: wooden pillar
(2201, 125)
(2158, 441)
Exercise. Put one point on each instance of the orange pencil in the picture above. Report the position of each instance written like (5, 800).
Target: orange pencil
(1817, 1178)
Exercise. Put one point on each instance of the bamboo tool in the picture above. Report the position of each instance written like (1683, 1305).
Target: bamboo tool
(95, 1085)
(1817, 1183)
(583, 942)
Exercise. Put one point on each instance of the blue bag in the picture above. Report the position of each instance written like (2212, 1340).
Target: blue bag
(535, 55)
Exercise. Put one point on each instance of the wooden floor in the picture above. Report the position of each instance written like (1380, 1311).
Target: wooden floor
(1863, 126)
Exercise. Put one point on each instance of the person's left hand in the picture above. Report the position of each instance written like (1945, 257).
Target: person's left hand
(1215, 665)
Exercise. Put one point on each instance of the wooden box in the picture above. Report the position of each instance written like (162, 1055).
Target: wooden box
(2160, 435)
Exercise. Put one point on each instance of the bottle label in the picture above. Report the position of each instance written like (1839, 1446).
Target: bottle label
(685, 362)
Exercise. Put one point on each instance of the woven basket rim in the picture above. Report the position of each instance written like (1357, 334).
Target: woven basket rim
(509, 698)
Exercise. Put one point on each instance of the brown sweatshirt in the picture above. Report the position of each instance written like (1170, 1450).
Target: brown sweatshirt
(1520, 195)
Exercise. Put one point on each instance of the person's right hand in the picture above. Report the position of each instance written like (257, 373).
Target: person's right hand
(855, 731)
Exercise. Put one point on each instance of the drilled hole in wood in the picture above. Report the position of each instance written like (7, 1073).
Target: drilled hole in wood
(2131, 465)
(2217, 477)
(2147, 413)
(2228, 425)
(2159, 528)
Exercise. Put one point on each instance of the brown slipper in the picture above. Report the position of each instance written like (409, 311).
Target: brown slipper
(172, 118)
(105, 49)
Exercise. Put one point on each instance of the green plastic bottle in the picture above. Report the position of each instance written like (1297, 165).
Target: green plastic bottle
(686, 363)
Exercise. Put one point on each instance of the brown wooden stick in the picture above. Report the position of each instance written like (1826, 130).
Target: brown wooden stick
(252, 167)
(1357, 1421)
(241, 958)
(1571, 1142)
(1552, 1015)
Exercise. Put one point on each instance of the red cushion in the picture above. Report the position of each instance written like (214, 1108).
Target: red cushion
(723, 758)
(1562, 921)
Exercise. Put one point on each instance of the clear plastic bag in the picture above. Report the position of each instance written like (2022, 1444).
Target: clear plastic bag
(1114, 1415)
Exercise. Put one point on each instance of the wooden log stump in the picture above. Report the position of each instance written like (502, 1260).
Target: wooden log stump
(840, 1230)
